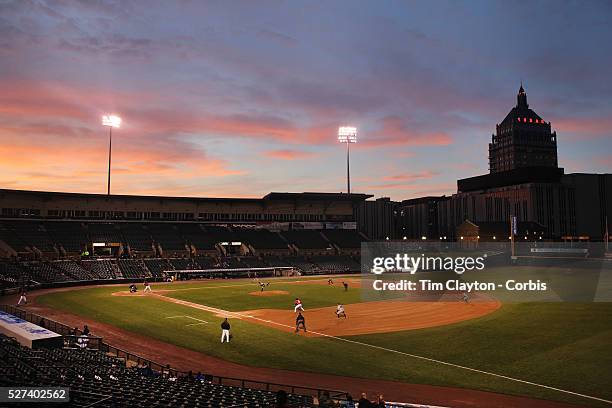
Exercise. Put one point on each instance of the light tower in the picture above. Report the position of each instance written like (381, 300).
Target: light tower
(348, 135)
(112, 121)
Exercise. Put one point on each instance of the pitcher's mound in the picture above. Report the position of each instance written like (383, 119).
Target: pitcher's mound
(269, 293)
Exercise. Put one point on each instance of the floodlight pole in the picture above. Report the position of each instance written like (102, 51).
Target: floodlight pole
(348, 167)
(110, 149)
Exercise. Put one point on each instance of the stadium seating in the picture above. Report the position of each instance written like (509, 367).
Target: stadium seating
(96, 379)
(103, 269)
(205, 262)
(345, 239)
(335, 264)
(306, 239)
(158, 266)
(10, 238)
(136, 237)
(75, 271)
(261, 239)
(133, 268)
(104, 232)
(183, 264)
(304, 265)
(32, 233)
(70, 235)
(167, 236)
(195, 235)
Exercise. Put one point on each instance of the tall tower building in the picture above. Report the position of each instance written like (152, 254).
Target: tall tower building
(522, 139)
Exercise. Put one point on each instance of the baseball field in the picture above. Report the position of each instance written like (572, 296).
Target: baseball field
(551, 351)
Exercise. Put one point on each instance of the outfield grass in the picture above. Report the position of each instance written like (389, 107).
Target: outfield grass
(563, 345)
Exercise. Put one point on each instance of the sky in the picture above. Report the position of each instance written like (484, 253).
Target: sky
(241, 98)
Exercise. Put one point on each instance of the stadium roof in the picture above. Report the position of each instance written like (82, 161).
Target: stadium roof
(269, 196)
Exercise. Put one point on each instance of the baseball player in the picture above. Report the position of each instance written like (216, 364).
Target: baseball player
(262, 285)
(465, 297)
(225, 331)
(300, 321)
(147, 287)
(345, 286)
(340, 311)
(22, 299)
(298, 305)
(330, 281)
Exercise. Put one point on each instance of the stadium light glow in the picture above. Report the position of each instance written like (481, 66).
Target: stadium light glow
(112, 121)
(348, 135)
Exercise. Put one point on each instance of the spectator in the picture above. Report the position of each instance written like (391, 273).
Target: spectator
(200, 376)
(364, 402)
(325, 401)
(381, 402)
(349, 401)
(85, 330)
(281, 399)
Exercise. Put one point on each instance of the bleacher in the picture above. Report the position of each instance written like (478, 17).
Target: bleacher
(136, 237)
(167, 236)
(9, 236)
(158, 266)
(69, 234)
(133, 268)
(32, 233)
(197, 236)
(304, 265)
(75, 271)
(335, 264)
(306, 239)
(102, 268)
(261, 239)
(104, 232)
(97, 379)
(183, 264)
(345, 239)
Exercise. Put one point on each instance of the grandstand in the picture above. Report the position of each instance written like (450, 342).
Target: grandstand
(97, 379)
(56, 238)
(308, 241)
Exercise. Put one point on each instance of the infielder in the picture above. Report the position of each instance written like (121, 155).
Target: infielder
(340, 311)
(298, 305)
(300, 321)
(465, 297)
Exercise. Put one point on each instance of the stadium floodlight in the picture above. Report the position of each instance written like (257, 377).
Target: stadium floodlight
(348, 135)
(112, 121)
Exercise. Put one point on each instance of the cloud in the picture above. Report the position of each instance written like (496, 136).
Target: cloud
(394, 131)
(286, 154)
(408, 177)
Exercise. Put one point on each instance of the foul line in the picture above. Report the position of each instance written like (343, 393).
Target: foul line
(188, 317)
(433, 360)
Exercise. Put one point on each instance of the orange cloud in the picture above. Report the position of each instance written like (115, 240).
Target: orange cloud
(412, 176)
(286, 154)
(394, 131)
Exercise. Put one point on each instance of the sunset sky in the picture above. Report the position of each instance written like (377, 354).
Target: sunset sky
(242, 98)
